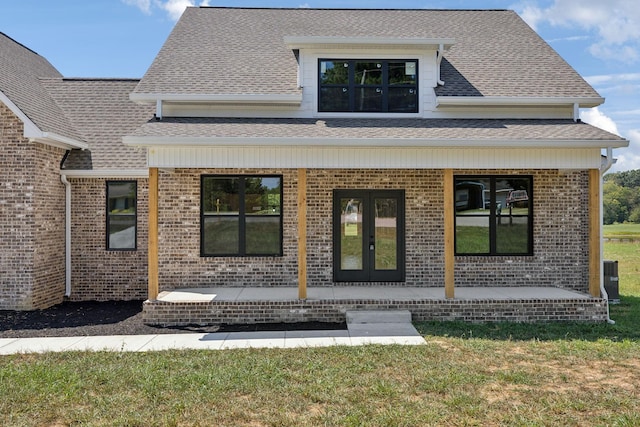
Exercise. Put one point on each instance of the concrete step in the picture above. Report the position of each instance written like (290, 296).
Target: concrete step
(378, 316)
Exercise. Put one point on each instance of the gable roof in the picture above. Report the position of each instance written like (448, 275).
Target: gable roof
(102, 111)
(20, 72)
(243, 51)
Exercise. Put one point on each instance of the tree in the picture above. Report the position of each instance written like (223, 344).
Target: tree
(621, 197)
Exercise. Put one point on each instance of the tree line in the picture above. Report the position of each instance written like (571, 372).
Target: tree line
(621, 197)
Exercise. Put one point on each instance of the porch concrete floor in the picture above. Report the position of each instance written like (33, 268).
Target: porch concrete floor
(365, 293)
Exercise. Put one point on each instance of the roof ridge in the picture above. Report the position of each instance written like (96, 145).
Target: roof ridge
(22, 45)
(350, 8)
(102, 79)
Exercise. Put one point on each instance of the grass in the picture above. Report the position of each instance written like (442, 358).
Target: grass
(499, 374)
(629, 231)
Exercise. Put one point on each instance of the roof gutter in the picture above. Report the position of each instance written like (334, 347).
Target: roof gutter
(231, 98)
(507, 101)
(105, 173)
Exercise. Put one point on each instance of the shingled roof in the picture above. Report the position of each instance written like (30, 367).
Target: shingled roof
(102, 111)
(395, 131)
(242, 51)
(20, 72)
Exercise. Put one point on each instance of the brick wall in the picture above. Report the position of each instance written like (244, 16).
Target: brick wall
(179, 237)
(31, 220)
(560, 238)
(560, 232)
(164, 313)
(97, 273)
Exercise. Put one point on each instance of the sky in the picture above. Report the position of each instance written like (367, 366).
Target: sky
(120, 38)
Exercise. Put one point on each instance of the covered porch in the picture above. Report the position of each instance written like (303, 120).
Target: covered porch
(242, 305)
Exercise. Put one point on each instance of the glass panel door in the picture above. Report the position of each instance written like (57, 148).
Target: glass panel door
(368, 235)
(351, 233)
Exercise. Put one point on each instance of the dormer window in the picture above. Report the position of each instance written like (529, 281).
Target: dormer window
(371, 86)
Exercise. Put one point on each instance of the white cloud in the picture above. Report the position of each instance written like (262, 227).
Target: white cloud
(615, 22)
(174, 8)
(595, 117)
(628, 158)
(143, 5)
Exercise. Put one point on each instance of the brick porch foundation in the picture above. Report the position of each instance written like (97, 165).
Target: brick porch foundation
(182, 313)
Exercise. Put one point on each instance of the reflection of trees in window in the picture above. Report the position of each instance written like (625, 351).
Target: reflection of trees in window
(493, 215)
(368, 86)
(121, 215)
(241, 215)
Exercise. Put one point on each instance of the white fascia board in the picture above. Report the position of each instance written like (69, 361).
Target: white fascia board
(266, 99)
(169, 141)
(105, 173)
(60, 141)
(470, 101)
(310, 42)
(33, 132)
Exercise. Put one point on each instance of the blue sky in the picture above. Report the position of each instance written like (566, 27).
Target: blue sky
(120, 38)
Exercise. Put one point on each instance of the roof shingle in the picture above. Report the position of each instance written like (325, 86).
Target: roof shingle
(242, 51)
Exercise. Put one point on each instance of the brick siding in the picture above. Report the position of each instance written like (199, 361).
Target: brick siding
(560, 232)
(164, 313)
(31, 220)
(97, 273)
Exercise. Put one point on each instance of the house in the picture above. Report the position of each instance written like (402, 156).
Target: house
(421, 159)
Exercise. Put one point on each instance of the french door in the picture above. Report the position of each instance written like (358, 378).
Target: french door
(368, 235)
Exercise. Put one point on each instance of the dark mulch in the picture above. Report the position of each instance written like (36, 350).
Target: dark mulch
(90, 318)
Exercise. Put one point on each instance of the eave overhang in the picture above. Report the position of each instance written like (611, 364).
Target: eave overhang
(323, 42)
(105, 173)
(34, 133)
(294, 99)
(506, 101)
(177, 141)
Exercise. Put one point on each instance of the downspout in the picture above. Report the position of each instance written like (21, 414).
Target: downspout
(439, 55)
(603, 169)
(67, 234)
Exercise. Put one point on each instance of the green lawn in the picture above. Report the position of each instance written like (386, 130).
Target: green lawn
(622, 230)
(473, 375)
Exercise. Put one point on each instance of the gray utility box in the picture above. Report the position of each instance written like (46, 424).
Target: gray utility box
(611, 281)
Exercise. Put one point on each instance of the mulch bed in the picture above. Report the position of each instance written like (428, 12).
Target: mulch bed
(91, 318)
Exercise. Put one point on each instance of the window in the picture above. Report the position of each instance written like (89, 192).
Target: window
(121, 215)
(241, 216)
(493, 215)
(381, 86)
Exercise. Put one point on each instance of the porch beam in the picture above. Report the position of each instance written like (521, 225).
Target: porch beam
(302, 233)
(153, 235)
(449, 249)
(595, 241)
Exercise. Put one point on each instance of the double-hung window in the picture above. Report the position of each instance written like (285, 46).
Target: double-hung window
(380, 86)
(241, 215)
(121, 215)
(494, 215)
